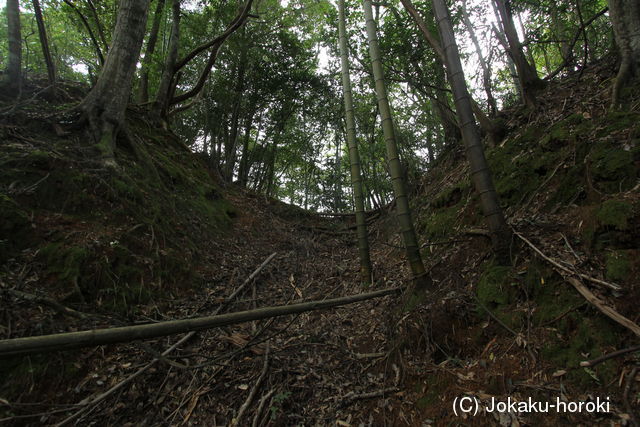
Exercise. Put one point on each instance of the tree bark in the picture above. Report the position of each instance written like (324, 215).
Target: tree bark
(44, 43)
(625, 18)
(104, 107)
(70, 340)
(161, 103)
(480, 173)
(527, 74)
(354, 157)
(14, 68)
(143, 90)
(422, 281)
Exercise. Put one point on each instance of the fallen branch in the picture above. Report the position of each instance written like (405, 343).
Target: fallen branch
(594, 362)
(605, 309)
(88, 404)
(91, 402)
(352, 397)
(70, 340)
(625, 396)
(48, 302)
(252, 394)
(565, 269)
(263, 401)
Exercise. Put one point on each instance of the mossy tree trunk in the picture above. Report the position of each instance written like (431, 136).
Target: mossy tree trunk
(14, 68)
(104, 107)
(480, 173)
(625, 18)
(143, 90)
(410, 240)
(354, 156)
(527, 74)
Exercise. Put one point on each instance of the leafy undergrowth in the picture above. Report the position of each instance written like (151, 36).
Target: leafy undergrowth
(158, 239)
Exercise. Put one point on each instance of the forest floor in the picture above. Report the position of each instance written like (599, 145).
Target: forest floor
(485, 330)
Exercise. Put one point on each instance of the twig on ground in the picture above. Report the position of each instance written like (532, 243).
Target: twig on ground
(555, 319)
(92, 402)
(263, 400)
(560, 266)
(48, 302)
(594, 362)
(351, 397)
(252, 394)
(605, 309)
(493, 316)
(625, 396)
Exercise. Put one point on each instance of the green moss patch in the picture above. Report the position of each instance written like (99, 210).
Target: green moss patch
(615, 214)
(580, 338)
(618, 265)
(15, 229)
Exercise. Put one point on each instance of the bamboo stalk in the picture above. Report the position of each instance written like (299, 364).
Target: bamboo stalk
(70, 340)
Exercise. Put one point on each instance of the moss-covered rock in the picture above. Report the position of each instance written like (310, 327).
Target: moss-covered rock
(65, 264)
(551, 294)
(15, 227)
(618, 265)
(616, 214)
(613, 166)
(582, 337)
(496, 286)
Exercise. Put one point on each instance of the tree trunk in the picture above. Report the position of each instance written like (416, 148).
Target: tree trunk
(452, 133)
(480, 173)
(44, 42)
(403, 211)
(245, 159)
(99, 26)
(105, 105)
(92, 36)
(625, 18)
(232, 143)
(354, 157)
(161, 103)
(486, 70)
(143, 90)
(14, 69)
(527, 74)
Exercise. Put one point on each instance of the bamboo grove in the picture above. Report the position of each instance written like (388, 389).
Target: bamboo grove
(334, 107)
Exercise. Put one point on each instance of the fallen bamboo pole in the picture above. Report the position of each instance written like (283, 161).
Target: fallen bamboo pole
(71, 340)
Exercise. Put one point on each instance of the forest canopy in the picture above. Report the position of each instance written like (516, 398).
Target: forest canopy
(255, 87)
